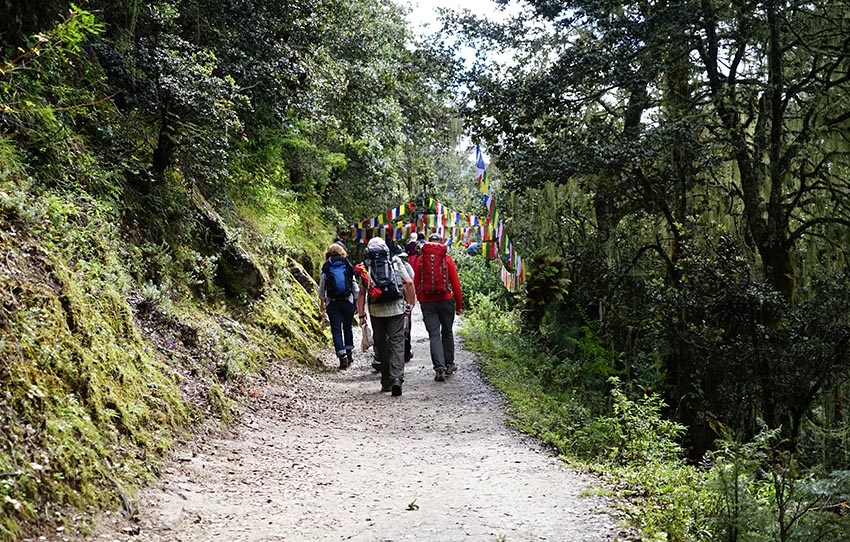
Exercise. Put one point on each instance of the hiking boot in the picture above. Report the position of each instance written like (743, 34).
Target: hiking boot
(396, 387)
(450, 368)
(386, 387)
(344, 363)
(440, 376)
(376, 366)
(349, 357)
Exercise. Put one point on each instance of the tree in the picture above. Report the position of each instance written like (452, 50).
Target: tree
(683, 121)
(776, 75)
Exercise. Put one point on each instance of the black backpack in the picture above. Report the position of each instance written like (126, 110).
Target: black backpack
(339, 277)
(385, 281)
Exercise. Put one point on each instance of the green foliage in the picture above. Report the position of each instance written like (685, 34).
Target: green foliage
(754, 491)
(637, 433)
(547, 286)
(118, 331)
(760, 493)
(512, 364)
(695, 190)
(180, 90)
(584, 362)
(627, 440)
(88, 406)
(479, 279)
(107, 353)
(747, 354)
(664, 501)
(37, 98)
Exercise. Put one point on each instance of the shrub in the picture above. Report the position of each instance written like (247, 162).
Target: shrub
(479, 278)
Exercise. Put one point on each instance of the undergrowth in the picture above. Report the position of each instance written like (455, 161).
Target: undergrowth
(118, 334)
(750, 492)
(109, 350)
(88, 405)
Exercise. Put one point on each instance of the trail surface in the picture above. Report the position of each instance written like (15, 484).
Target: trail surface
(331, 458)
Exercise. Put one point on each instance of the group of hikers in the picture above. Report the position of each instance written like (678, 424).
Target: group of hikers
(386, 287)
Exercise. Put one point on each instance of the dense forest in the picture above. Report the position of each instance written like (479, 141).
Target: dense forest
(680, 173)
(674, 173)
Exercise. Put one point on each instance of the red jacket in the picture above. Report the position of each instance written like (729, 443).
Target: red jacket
(453, 278)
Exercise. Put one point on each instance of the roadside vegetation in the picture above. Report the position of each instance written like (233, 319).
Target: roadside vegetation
(170, 175)
(600, 421)
(676, 176)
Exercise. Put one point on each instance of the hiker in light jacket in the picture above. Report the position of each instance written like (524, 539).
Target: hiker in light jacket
(387, 317)
(408, 321)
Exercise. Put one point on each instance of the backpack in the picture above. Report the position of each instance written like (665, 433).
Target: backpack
(433, 270)
(339, 278)
(382, 273)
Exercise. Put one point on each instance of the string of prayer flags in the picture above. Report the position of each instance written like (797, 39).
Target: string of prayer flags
(451, 225)
(385, 218)
(497, 246)
(484, 186)
(397, 230)
(452, 216)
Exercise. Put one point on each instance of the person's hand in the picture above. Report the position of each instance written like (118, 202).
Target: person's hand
(408, 308)
(362, 320)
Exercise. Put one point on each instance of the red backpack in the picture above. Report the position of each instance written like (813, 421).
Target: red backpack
(434, 272)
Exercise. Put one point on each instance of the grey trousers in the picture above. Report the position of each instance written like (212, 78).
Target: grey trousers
(389, 346)
(439, 317)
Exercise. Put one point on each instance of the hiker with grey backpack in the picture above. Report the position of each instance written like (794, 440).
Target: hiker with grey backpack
(388, 295)
(337, 294)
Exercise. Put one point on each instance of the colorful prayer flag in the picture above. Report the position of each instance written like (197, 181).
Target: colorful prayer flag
(479, 162)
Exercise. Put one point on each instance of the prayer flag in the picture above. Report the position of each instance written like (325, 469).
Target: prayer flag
(485, 183)
(479, 162)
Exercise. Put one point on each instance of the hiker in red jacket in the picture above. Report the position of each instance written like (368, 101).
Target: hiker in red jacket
(439, 295)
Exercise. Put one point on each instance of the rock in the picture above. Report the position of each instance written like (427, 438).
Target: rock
(237, 271)
(300, 275)
(171, 515)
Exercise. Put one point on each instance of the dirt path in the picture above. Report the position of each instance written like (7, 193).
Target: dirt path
(331, 458)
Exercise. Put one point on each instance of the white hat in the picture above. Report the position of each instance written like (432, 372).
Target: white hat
(413, 236)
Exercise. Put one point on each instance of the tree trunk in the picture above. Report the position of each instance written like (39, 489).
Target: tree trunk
(164, 149)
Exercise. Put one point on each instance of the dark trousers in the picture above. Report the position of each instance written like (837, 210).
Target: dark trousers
(341, 314)
(389, 346)
(439, 317)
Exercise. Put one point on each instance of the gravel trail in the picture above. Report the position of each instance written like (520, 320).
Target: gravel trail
(327, 457)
